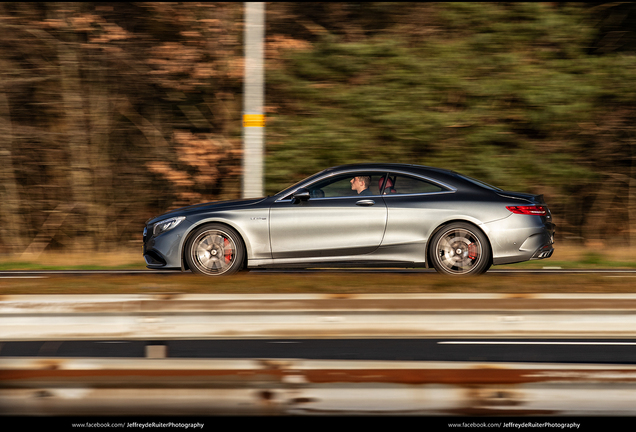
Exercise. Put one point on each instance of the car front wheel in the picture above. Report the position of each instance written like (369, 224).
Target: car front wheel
(460, 249)
(215, 250)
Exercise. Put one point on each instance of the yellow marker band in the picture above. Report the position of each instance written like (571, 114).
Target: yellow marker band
(253, 120)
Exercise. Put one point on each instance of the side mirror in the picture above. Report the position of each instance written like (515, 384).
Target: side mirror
(301, 194)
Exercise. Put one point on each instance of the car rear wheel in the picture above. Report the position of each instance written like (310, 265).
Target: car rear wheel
(215, 250)
(460, 249)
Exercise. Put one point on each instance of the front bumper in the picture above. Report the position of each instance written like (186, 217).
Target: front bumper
(164, 250)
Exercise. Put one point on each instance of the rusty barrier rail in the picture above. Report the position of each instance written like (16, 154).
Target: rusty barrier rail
(48, 386)
(165, 316)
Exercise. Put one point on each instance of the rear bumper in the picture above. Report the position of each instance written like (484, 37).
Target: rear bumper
(514, 244)
(540, 245)
(543, 252)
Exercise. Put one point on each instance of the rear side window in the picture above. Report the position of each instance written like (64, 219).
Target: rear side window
(398, 184)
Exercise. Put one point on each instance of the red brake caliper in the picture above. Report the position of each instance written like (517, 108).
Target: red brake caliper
(472, 251)
(228, 251)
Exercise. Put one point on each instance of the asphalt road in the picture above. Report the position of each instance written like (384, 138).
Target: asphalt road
(610, 351)
(547, 270)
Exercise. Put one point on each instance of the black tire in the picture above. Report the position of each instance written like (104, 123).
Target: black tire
(460, 249)
(215, 250)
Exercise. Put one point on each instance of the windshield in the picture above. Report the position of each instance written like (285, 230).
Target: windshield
(295, 185)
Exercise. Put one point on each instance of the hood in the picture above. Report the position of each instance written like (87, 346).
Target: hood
(209, 206)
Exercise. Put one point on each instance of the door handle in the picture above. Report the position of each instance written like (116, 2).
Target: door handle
(366, 202)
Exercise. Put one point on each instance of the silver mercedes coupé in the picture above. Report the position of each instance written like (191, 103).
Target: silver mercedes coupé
(363, 215)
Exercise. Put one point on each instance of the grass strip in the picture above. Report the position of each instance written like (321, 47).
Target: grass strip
(319, 282)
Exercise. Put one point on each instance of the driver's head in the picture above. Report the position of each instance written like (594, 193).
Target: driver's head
(360, 183)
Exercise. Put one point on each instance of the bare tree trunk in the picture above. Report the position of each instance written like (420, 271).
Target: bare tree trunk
(149, 130)
(601, 209)
(631, 195)
(49, 229)
(99, 128)
(10, 232)
(77, 135)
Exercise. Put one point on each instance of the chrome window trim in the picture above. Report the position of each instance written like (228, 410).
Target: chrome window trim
(450, 189)
(396, 195)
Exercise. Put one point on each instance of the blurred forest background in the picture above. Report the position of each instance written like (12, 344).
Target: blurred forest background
(111, 113)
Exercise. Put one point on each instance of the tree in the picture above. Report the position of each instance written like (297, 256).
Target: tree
(504, 92)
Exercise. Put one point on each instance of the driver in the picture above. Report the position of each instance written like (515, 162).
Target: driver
(361, 184)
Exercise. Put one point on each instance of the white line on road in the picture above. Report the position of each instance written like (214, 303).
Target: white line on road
(23, 277)
(531, 343)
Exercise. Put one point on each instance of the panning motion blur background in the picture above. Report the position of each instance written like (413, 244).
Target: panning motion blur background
(113, 113)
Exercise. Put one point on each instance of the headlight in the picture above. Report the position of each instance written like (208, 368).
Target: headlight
(166, 225)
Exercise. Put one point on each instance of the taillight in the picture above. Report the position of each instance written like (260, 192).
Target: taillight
(535, 210)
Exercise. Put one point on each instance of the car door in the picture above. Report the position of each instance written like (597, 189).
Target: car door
(334, 222)
(415, 206)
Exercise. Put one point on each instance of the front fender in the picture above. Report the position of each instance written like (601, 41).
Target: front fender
(252, 226)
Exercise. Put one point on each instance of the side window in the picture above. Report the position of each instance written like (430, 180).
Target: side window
(349, 185)
(401, 184)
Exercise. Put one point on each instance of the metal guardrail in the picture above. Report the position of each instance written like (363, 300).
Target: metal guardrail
(164, 316)
(163, 386)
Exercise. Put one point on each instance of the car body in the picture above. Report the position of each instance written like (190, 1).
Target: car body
(410, 216)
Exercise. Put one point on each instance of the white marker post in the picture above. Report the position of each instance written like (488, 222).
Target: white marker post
(253, 97)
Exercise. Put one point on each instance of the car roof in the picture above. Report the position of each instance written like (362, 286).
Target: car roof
(390, 166)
